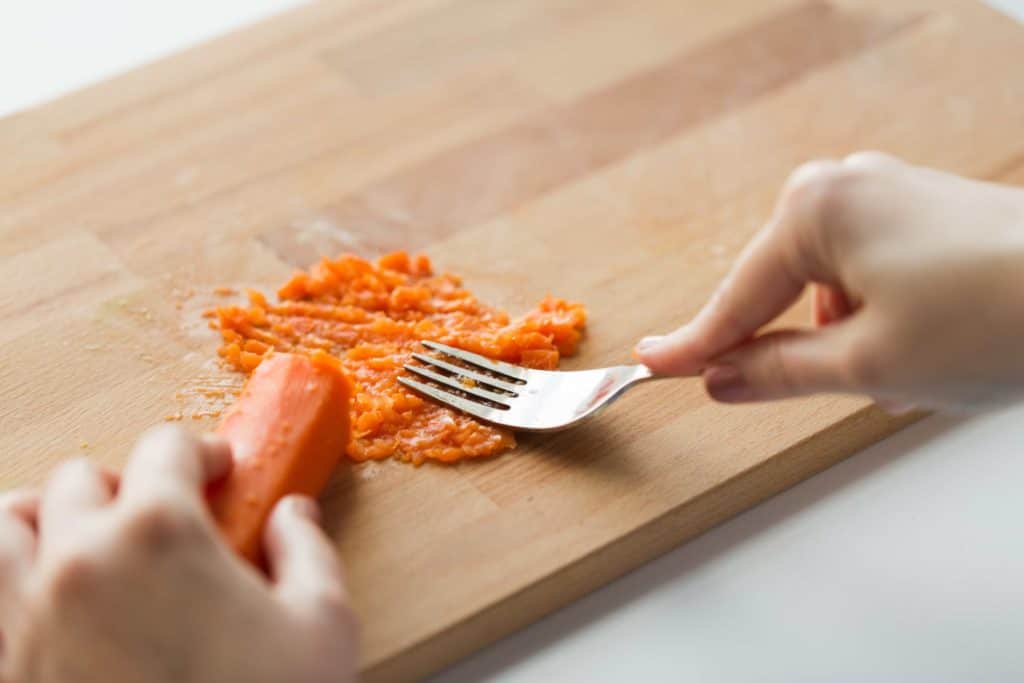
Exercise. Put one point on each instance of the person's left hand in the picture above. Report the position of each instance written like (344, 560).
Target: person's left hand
(106, 578)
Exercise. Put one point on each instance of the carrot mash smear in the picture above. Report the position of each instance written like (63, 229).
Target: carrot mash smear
(371, 317)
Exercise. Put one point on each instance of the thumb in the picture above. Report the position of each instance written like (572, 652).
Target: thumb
(782, 364)
(302, 561)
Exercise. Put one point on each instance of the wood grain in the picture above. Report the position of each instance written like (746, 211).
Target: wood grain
(615, 152)
(574, 140)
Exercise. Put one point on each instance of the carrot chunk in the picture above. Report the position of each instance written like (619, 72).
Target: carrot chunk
(287, 431)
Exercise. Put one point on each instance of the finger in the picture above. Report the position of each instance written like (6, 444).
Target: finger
(766, 279)
(302, 561)
(18, 512)
(783, 365)
(23, 504)
(17, 548)
(75, 488)
(169, 463)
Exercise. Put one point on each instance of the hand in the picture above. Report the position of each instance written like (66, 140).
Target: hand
(127, 580)
(919, 293)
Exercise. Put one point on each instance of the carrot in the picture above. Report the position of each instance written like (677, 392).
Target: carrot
(287, 431)
(373, 316)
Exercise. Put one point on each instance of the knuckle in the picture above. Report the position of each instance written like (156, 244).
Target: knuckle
(810, 176)
(166, 432)
(819, 192)
(869, 160)
(833, 200)
(167, 444)
(160, 525)
(72, 576)
(72, 468)
(9, 499)
(836, 211)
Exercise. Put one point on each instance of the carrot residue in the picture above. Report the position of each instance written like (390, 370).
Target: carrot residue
(372, 316)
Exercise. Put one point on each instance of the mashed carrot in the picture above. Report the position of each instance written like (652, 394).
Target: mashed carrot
(372, 317)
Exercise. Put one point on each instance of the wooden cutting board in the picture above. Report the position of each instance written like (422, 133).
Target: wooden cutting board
(611, 151)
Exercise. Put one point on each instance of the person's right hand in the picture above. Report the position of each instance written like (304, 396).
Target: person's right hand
(919, 298)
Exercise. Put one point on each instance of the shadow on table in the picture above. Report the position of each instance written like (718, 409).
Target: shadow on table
(548, 631)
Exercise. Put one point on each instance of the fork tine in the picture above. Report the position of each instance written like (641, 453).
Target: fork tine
(478, 377)
(506, 369)
(454, 383)
(474, 409)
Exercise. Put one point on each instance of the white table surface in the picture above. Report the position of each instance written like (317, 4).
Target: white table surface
(904, 563)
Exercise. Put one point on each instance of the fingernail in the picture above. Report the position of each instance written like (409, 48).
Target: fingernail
(306, 507)
(648, 342)
(725, 383)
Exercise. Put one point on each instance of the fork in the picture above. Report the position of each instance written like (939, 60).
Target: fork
(511, 396)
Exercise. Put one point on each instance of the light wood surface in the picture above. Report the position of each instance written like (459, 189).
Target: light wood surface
(611, 151)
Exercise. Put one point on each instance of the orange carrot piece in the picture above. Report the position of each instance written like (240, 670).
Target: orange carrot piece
(287, 431)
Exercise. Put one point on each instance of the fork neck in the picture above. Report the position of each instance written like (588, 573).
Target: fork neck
(639, 373)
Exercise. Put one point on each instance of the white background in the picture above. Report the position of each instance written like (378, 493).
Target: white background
(905, 563)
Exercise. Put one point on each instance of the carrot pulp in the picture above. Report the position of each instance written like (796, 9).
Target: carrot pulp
(371, 317)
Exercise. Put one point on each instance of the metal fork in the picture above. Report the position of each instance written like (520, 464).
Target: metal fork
(508, 395)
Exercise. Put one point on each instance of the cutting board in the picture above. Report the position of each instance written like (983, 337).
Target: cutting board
(615, 152)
